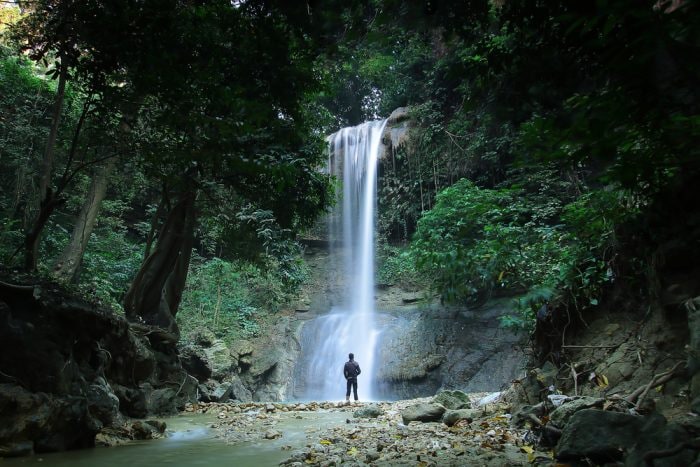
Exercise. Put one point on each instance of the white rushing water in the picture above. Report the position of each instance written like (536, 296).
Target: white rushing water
(349, 326)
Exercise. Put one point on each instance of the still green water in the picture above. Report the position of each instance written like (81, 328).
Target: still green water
(192, 443)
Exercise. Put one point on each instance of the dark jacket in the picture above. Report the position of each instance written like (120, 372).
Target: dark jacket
(351, 369)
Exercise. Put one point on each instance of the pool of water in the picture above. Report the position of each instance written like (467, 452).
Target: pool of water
(191, 442)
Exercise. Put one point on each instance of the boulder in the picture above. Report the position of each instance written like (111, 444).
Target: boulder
(147, 429)
(604, 437)
(272, 434)
(547, 375)
(598, 435)
(422, 413)
(203, 337)
(132, 401)
(561, 415)
(195, 362)
(453, 416)
(238, 391)
(452, 400)
(103, 404)
(525, 414)
(220, 360)
(50, 423)
(370, 411)
(221, 393)
(170, 399)
(241, 348)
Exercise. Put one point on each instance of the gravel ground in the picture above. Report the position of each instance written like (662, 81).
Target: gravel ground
(486, 440)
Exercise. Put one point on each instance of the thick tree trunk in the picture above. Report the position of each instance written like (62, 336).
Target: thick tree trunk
(32, 238)
(67, 265)
(48, 201)
(155, 294)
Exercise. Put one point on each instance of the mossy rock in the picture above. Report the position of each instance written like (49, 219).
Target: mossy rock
(453, 400)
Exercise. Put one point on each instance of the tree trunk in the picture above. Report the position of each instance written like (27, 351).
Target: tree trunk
(48, 201)
(47, 162)
(67, 265)
(155, 294)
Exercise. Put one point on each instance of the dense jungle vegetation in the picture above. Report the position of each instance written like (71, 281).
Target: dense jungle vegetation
(162, 155)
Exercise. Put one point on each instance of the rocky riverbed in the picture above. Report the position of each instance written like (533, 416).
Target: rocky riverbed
(409, 432)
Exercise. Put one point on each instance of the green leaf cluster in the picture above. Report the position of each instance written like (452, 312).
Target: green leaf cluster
(477, 242)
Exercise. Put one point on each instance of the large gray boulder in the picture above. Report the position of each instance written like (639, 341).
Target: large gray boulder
(103, 404)
(221, 393)
(562, 414)
(452, 400)
(370, 411)
(422, 413)
(238, 391)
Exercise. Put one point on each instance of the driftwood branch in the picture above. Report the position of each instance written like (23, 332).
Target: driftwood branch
(637, 397)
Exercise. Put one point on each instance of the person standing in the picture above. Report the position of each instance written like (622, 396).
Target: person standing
(351, 370)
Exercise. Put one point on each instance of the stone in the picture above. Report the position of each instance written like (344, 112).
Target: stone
(451, 417)
(371, 456)
(221, 393)
(525, 414)
(220, 360)
(146, 429)
(103, 404)
(547, 375)
(194, 361)
(561, 415)
(132, 401)
(422, 413)
(17, 449)
(203, 393)
(452, 400)
(272, 434)
(399, 115)
(203, 337)
(603, 436)
(241, 347)
(238, 391)
(598, 435)
(371, 411)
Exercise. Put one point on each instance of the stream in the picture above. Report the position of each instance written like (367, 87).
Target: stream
(191, 442)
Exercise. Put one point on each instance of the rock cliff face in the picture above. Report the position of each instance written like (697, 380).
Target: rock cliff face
(69, 370)
(423, 347)
(423, 351)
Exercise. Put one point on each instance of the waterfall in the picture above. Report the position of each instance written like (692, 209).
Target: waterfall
(349, 326)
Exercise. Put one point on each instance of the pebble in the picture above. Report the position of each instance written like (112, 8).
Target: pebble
(383, 441)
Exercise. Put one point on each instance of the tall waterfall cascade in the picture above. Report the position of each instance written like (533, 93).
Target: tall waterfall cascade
(349, 326)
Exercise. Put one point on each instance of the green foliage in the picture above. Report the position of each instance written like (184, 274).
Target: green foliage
(232, 298)
(396, 266)
(108, 266)
(476, 241)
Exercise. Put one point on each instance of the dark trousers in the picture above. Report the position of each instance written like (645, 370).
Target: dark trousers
(352, 383)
